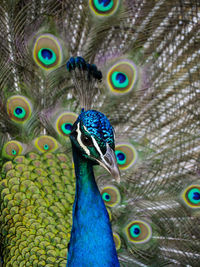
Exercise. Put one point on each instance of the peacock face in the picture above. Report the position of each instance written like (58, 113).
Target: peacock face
(93, 135)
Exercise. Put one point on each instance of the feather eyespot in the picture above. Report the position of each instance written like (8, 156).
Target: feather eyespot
(65, 122)
(46, 143)
(19, 108)
(103, 7)
(47, 52)
(121, 157)
(191, 196)
(111, 196)
(122, 77)
(117, 241)
(138, 231)
(47, 56)
(66, 128)
(126, 155)
(12, 149)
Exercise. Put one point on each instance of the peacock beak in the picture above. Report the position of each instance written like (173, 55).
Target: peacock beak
(109, 162)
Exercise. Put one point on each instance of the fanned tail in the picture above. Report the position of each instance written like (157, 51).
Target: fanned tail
(148, 54)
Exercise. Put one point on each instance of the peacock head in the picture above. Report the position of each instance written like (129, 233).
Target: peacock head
(93, 135)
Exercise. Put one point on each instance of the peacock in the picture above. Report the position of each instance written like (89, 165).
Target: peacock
(99, 82)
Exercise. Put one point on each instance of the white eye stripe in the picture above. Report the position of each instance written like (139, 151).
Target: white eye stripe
(93, 140)
(97, 146)
(87, 151)
(86, 129)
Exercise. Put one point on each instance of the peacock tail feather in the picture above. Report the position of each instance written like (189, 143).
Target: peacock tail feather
(148, 54)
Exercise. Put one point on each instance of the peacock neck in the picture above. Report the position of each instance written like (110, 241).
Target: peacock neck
(91, 242)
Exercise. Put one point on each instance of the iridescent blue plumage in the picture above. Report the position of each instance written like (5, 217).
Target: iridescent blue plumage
(91, 242)
(98, 125)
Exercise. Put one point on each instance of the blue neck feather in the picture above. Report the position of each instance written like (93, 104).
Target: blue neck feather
(91, 242)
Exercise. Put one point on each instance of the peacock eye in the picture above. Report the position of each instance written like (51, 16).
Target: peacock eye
(47, 56)
(103, 7)
(191, 196)
(19, 109)
(138, 231)
(65, 122)
(122, 77)
(47, 51)
(86, 141)
(117, 241)
(12, 149)
(111, 196)
(126, 155)
(46, 143)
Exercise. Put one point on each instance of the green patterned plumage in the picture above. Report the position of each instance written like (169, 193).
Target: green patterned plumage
(37, 193)
(148, 53)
